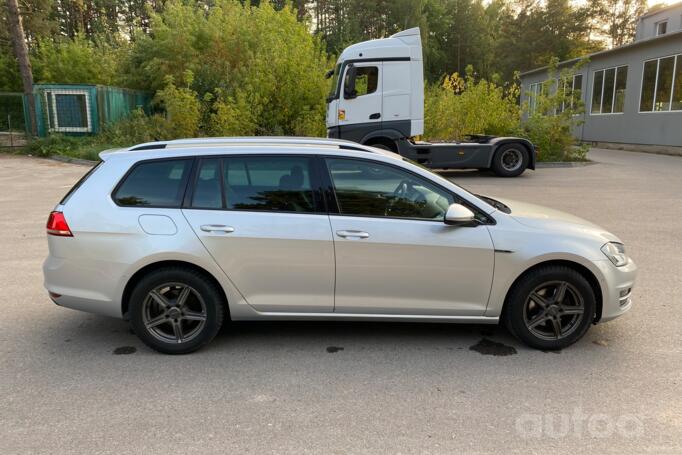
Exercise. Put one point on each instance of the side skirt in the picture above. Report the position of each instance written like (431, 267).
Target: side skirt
(366, 317)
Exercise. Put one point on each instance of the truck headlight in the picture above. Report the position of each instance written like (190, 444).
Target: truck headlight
(616, 253)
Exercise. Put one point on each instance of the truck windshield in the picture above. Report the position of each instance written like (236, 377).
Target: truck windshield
(335, 82)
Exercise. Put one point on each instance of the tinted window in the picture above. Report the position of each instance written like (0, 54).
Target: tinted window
(207, 192)
(155, 183)
(364, 188)
(269, 183)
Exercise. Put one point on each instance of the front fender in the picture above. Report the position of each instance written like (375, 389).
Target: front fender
(508, 270)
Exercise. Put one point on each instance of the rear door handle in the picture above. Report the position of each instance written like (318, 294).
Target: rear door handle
(217, 228)
(352, 234)
(375, 116)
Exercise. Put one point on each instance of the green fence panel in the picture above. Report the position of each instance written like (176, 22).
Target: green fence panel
(78, 109)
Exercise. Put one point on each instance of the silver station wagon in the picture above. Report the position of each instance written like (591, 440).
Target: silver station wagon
(180, 236)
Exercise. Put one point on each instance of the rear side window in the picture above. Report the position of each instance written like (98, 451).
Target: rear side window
(269, 183)
(154, 184)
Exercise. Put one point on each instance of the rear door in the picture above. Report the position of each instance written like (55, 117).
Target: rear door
(262, 220)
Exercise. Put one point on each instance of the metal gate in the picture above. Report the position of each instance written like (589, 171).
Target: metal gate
(13, 124)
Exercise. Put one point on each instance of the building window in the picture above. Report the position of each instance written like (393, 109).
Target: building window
(608, 90)
(662, 85)
(661, 27)
(534, 92)
(572, 92)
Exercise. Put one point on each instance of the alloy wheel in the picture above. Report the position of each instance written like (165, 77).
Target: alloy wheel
(174, 313)
(553, 310)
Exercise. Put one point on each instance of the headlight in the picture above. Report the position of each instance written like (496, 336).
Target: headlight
(616, 253)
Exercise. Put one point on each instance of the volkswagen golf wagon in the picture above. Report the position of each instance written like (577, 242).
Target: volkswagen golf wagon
(178, 237)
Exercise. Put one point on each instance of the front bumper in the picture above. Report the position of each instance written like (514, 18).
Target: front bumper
(616, 284)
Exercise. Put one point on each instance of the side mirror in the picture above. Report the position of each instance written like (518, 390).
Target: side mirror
(329, 73)
(349, 88)
(458, 215)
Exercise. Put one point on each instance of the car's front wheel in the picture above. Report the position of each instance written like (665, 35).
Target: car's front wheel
(550, 308)
(176, 310)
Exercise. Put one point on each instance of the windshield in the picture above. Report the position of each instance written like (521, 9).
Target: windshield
(335, 82)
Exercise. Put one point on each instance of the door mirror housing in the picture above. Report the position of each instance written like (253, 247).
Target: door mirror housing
(349, 88)
(458, 215)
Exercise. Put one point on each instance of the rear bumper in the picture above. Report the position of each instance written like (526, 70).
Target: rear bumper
(79, 286)
(617, 286)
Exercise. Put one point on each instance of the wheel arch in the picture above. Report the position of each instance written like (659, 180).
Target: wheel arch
(388, 137)
(580, 268)
(148, 268)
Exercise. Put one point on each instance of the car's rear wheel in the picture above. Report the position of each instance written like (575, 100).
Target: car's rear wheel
(510, 160)
(550, 308)
(176, 310)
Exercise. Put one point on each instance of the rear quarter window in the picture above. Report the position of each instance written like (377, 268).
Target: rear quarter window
(158, 183)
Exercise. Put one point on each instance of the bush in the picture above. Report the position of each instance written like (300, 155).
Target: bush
(556, 113)
(459, 106)
(135, 129)
(182, 108)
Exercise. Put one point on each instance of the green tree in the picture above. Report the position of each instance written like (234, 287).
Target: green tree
(257, 70)
(615, 21)
(75, 61)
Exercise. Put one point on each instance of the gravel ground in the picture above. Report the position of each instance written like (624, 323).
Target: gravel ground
(73, 382)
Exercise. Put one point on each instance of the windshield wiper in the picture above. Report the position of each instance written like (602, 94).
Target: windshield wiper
(495, 203)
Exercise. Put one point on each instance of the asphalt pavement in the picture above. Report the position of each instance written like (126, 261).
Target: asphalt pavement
(72, 382)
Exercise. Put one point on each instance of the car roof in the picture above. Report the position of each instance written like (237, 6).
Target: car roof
(218, 145)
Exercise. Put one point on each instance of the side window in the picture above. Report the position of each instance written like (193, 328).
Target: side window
(154, 183)
(366, 80)
(207, 192)
(364, 188)
(269, 183)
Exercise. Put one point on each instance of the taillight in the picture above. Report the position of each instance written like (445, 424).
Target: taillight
(56, 225)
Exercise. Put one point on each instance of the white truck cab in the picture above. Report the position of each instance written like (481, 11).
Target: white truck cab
(377, 98)
(383, 86)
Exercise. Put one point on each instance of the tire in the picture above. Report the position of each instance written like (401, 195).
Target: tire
(510, 160)
(172, 301)
(536, 299)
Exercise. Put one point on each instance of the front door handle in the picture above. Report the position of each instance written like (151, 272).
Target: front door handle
(375, 116)
(217, 228)
(352, 234)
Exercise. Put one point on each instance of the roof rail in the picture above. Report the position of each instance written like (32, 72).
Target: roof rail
(260, 140)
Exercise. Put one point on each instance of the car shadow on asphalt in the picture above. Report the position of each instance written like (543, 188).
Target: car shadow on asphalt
(91, 332)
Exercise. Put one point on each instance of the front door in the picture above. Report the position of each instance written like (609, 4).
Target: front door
(394, 254)
(261, 219)
(360, 96)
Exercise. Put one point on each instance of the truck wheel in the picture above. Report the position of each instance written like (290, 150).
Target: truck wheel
(510, 160)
